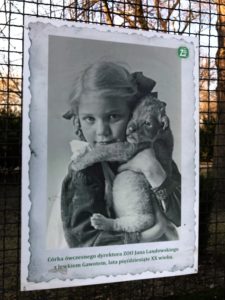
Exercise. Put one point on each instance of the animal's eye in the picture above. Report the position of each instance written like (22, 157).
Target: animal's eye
(147, 123)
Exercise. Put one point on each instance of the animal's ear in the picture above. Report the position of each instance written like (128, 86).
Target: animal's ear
(165, 121)
(144, 84)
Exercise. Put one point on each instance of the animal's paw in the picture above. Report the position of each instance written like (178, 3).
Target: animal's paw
(77, 165)
(100, 222)
(79, 149)
(172, 233)
(80, 152)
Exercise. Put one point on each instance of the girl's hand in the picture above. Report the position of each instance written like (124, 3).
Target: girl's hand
(145, 162)
(162, 227)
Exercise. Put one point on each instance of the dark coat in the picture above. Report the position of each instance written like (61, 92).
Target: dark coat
(83, 195)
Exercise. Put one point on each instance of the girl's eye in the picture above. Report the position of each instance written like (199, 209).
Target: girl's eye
(89, 120)
(147, 123)
(114, 117)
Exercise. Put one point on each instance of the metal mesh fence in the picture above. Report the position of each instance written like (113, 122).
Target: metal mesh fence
(204, 19)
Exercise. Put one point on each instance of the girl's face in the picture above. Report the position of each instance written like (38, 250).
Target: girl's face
(103, 121)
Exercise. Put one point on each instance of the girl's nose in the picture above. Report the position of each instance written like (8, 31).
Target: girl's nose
(102, 128)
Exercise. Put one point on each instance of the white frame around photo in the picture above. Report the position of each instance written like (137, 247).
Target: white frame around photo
(55, 52)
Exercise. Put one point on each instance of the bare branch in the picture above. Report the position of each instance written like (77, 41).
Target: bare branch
(171, 9)
(107, 13)
(127, 18)
(140, 15)
(86, 6)
(163, 24)
(188, 20)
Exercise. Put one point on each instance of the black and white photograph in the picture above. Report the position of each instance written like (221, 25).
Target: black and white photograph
(110, 155)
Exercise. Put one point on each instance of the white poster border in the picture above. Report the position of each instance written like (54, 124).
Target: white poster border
(36, 85)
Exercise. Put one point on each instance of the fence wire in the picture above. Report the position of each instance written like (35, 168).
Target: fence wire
(204, 19)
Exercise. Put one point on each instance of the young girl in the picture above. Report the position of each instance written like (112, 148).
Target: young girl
(104, 97)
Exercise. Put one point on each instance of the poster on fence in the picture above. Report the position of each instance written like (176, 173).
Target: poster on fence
(110, 155)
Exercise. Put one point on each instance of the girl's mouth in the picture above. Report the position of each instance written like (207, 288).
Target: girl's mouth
(104, 143)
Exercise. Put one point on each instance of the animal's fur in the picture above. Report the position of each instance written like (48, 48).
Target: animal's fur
(132, 196)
